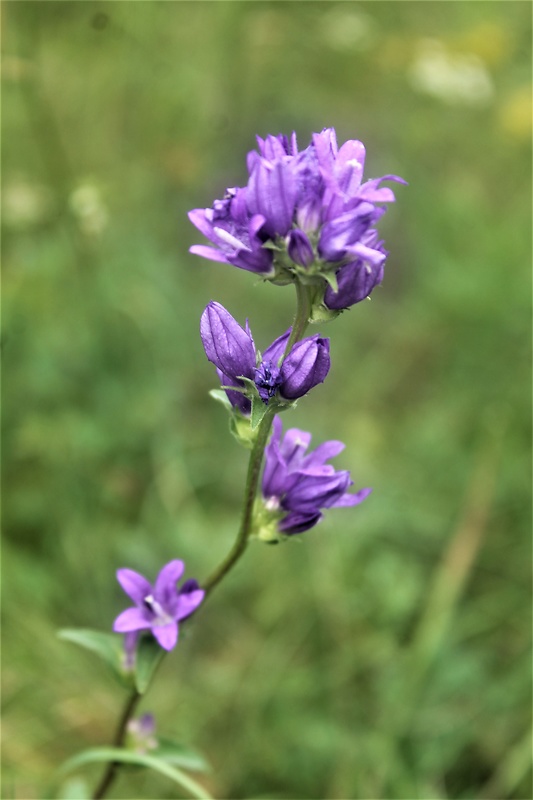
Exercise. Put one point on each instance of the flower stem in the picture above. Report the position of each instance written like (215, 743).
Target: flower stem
(110, 773)
(252, 480)
(301, 318)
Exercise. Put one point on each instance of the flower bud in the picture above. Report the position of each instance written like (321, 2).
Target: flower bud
(299, 248)
(228, 346)
(355, 281)
(305, 366)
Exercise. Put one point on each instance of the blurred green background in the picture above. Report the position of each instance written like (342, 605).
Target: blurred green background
(386, 653)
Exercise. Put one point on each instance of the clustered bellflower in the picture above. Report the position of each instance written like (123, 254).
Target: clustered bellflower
(232, 350)
(298, 484)
(303, 215)
(160, 607)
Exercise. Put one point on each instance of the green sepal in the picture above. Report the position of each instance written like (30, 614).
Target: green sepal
(122, 756)
(147, 659)
(259, 410)
(106, 645)
(241, 429)
(331, 279)
(221, 397)
(319, 313)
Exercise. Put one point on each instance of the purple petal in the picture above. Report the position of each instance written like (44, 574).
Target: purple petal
(199, 219)
(208, 252)
(352, 499)
(132, 619)
(189, 602)
(298, 522)
(323, 453)
(277, 348)
(165, 591)
(237, 399)
(293, 448)
(166, 635)
(134, 584)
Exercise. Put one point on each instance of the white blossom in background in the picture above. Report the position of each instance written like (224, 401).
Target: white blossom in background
(24, 203)
(457, 79)
(89, 209)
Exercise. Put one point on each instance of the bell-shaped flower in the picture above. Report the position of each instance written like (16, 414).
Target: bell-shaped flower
(158, 608)
(297, 484)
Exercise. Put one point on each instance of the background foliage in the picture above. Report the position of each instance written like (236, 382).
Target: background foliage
(386, 654)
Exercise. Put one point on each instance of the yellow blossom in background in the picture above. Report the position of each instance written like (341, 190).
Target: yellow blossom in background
(515, 116)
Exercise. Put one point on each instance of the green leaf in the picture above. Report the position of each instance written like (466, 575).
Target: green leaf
(259, 410)
(181, 756)
(121, 756)
(148, 658)
(106, 645)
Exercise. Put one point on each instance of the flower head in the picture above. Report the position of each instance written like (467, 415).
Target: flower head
(298, 484)
(160, 607)
(232, 350)
(303, 214)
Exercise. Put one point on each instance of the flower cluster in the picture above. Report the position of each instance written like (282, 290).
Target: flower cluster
(303, 215)
(297, 484)
(157, 608)
(273, 374)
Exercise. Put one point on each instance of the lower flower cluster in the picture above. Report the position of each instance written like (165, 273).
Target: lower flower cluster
(297, 485)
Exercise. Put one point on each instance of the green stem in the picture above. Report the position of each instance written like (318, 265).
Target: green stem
(252, 480)
(110, 772)
(301, 318)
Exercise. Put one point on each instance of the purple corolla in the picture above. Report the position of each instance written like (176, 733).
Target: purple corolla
(160, 607)
(232, 350)
(302, 215)
(297, 484)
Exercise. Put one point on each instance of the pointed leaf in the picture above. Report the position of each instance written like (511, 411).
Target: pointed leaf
(121, 756)
(181, 756)
(149, 655)
(106, 645)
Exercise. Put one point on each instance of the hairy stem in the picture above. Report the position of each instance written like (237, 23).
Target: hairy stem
(110, 772)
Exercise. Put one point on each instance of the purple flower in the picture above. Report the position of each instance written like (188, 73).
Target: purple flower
(357, 278)
(301, 213)
(232, 350)
(297, 484)
(234, 232)
(160, 607)
(141, 733)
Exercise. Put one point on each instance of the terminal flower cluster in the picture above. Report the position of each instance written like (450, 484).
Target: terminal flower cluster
(304, 215)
